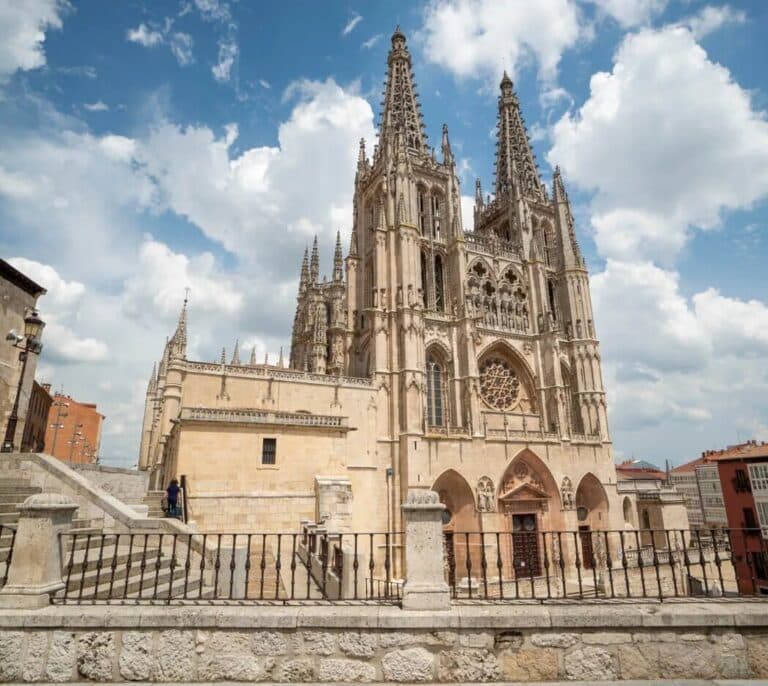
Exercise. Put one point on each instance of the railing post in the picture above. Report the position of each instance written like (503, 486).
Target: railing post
(425, 586)
(35, 573)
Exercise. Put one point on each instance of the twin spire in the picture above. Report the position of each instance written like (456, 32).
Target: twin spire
(310, 267)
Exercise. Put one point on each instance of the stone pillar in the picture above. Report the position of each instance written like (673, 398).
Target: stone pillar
(425, 586)
(36, 565)
(333, 503)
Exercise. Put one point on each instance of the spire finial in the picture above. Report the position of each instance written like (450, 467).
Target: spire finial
(223, 356)
(353, 243)
(398, 38)
(304, 278)
(361, 154)
(478, 193)
(446, 146)
(314, 265)
(236, 354)
(338, 270)
(253, 356)
(280, 362)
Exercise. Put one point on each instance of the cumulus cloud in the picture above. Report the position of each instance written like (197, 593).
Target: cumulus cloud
(22, 33)
(667, 141)
(60, 309)
(228, 50)
(468, 37)
(97, 106)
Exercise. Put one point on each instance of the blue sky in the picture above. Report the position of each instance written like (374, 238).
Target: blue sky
(147, 146)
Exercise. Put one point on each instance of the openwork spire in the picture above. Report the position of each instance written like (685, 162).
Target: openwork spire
(304, 278)
(179, 338)
(152, 385)
(515, 163)
(446, 146)
(571, 251)
(338, 260)
(253, 356)
(236, 354)
(401, 114)
(353, 243)
(314, 265)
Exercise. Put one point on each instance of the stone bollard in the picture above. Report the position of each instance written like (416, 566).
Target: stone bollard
(35, 572)
(425, 586)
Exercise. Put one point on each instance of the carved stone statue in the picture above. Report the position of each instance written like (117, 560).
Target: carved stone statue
(485, 495)
(566, 493)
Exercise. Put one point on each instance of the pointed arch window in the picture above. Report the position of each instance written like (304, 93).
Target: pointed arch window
(436, 217)
(439, 286)
(424, 281)
(547, 240)
(552, 300)
(435, 392)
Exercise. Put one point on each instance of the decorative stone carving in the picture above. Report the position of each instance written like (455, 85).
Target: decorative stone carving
(566, 493)
(486, 501)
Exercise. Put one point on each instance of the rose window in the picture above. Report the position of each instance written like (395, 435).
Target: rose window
(499, 385)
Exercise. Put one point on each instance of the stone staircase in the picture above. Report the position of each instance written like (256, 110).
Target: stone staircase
(153, 500)
(101, 567)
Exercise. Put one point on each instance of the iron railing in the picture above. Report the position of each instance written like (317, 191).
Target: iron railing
(274, 568)
(660, 564)
(7, 539)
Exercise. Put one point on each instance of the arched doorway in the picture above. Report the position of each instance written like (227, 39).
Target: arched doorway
(529, 502)
(460, 520)
(592, 515)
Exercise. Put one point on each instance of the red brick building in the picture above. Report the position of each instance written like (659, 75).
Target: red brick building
(743, 471)
(74, 430)
(40, 400)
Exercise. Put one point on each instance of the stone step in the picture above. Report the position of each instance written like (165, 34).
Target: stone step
(136, 586)
(9, 507)
(20, 491)
(13, 483)
(147, 591)
(108, 555)
(9, 517)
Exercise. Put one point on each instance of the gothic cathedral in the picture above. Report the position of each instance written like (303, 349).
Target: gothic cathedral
(460, 361)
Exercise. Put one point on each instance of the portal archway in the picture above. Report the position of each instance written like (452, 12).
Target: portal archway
(592, 515)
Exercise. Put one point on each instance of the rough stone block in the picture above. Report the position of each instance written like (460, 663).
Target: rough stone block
(135, 661)
(468, 664)
(269, 643)
(590, 664)
(635, 663)
(235, 667)
(530, 664)
(476, 639)
(175, 656)
(358, 644)
(733, 667)
(605, 638)
(225, 642)
(341, 670)
(96, 655)
(33, 668)
(10, 655)
(728, 641)
(757, 653)
(411, 664)
(62, 657)
(295, 671)
(319, 642)
(554, 640)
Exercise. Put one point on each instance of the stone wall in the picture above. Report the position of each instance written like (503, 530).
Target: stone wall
(366, 644)
(127, 485)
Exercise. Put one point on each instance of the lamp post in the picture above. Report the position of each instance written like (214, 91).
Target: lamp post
(76, 433)
(28, 343)
(58, 425)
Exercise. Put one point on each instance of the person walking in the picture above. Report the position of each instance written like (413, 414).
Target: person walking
(172, 495)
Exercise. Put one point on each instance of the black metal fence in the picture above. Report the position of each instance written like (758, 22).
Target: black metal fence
(660, 564)
(275, 568)
(7, 539)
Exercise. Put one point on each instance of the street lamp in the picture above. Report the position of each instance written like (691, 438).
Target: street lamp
(59, 404)
(76, 433)
(29, 342)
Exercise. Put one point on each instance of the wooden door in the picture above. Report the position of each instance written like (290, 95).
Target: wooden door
(587, 554)
(525, 545)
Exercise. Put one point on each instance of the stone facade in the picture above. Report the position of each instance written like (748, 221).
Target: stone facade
(300, 645)
(466, 362)
(18, 295)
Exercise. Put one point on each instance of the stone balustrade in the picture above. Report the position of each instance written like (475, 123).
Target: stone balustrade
(257, 416)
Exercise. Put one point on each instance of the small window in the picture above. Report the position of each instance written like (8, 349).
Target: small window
(269, 451)
(750, 522)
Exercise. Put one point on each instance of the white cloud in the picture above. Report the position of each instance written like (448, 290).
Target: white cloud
(265, 84)
(351, 24)
(213, 10)
(667, 140)
(373, 40)
(296, 186)
(669, 359)
(181, 45)
(157, 286)
(59, 308)
(228, 51)
(98, 106)
(711, 18)
(630, 13)
(22, 32)
(145, 36)
(468, 37)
